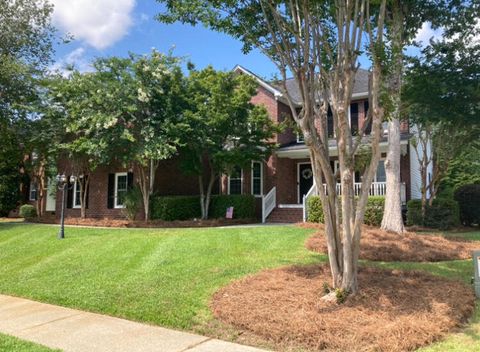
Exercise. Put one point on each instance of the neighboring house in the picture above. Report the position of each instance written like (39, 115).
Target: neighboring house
(280, 184)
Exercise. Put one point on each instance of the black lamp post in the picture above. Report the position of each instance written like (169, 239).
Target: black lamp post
(62, 184)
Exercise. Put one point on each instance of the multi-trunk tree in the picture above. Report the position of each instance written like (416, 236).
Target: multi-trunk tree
(127, 111)
(224, 129)
(319, 43)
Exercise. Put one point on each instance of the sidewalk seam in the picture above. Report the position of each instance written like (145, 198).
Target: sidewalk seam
(196, 344)
(51, 321)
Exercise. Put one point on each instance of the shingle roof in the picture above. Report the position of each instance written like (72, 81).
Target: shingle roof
(360, 86)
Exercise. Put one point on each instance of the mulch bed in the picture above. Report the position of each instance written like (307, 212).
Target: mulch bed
(380, 245)
(394, 311)
(150, 224)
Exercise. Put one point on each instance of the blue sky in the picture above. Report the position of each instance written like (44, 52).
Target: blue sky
(116, 27)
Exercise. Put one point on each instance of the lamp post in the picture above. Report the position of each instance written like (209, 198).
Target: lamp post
(62, 184)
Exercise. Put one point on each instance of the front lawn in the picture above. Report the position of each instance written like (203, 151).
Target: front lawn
(10, 343)
(168, 276)
(160, 276)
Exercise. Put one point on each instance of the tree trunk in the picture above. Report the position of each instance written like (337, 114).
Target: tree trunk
(146, 182)
(392, 213)
(205, 197)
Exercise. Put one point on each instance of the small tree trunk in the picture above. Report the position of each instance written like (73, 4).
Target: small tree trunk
(146, 182)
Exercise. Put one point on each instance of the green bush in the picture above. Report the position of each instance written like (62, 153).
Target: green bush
(414, 212)
(442, 214)
(315, 210)
(468, 198)
(132, 202)
(175, 208)
(243, 206)
(28, 211)
(373, 212)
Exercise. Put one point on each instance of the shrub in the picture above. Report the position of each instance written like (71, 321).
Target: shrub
(315, 210)
(28, 211)
(132, 202)
(414, 212)
(443, 214)
(175, 208)
(373, 211)
(243, 206)
(468, 198)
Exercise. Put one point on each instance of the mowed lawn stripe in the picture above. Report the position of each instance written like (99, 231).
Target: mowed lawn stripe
(163, 276)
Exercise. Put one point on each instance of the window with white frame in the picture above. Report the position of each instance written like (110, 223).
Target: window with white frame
(76, 194)
(121, 188)
(33, 191)
(235, 181)
(257, 178)
(300, 138)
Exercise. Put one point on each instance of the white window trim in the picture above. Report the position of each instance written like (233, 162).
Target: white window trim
(300, 138)
(375, 175)
(33, 185)
(261, 179)
(241, 182)
(115, 194)
(74, 205)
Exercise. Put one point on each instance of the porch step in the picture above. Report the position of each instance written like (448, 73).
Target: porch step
(285, 215)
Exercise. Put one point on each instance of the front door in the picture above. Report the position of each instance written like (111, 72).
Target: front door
(305, 180)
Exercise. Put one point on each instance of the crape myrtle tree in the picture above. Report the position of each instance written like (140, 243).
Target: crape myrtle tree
(404, 19)
(225, 129)
(128, 110)
(319, 43)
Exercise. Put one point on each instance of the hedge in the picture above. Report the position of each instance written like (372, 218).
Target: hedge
(414, 212)
(28, 211)
(373, 212)
(468, 198)
(243, 206)
(188, 207)
(443, 214)
(175, 208)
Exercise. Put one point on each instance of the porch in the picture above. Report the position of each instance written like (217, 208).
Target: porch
(297, 212)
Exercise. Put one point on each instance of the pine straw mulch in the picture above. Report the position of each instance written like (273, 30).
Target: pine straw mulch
(380, 245)
(106, 222)
(394, 311)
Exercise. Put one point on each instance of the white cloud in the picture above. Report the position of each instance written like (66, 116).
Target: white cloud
(425, 33)
(100, 23)
(75, 58)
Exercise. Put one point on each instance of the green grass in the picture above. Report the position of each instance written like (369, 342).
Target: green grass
(12, 344)
(160, 276)
(167, 276)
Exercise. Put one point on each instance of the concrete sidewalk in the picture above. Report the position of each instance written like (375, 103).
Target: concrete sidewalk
(77, 331)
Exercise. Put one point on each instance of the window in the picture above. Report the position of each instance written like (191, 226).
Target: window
(33, 191)
(300, 137)
(257, 178)
(121, 187)
(76, 194)
(330, 129)
(235, 181)
(380, 175)
(354, 118)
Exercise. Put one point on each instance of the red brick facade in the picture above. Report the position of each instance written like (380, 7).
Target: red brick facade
(277, 172)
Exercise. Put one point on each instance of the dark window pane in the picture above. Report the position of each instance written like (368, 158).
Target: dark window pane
(330, 123)
(354, 118)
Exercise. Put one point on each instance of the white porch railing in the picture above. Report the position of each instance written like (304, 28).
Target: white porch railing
(312, 192)
(269, 202)
(376, 189)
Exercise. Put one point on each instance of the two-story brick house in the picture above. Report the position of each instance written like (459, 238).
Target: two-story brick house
(279, 183)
